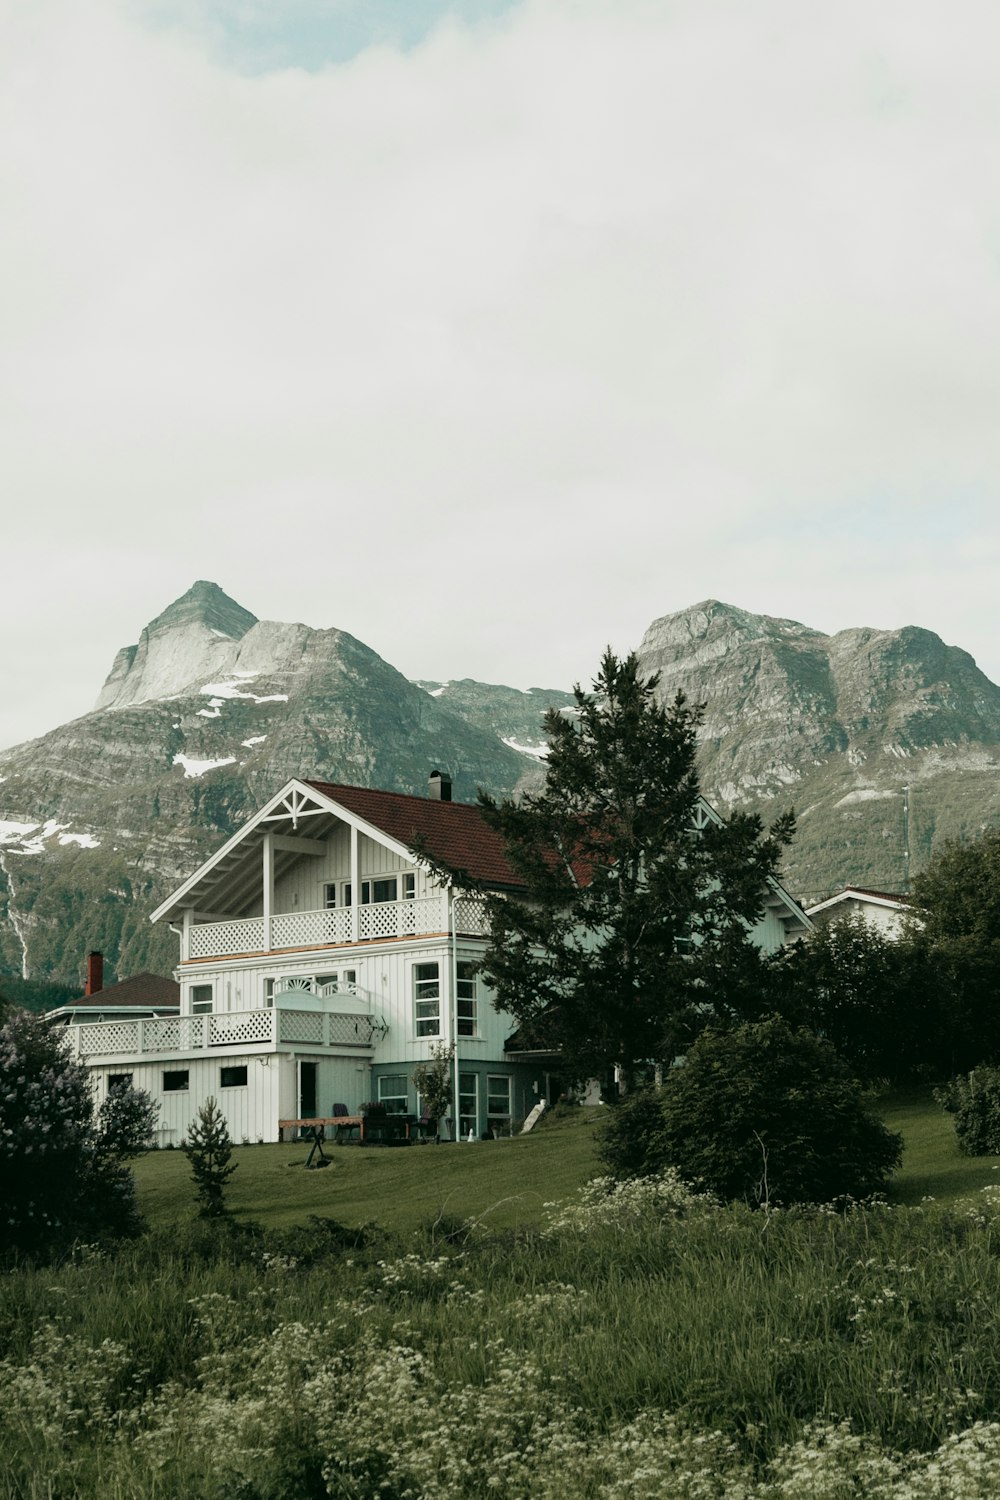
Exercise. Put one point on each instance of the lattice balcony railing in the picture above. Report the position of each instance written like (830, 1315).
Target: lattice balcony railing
(392, 919)
(170, 1034)
(308, 929)
(247, 1028)
(320, 1029)
(240, 1026)
(320, 929)
(108, 1036)
(218, 939)
(470, 916)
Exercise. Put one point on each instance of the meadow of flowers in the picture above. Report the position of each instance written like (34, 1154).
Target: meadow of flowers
(644, 1343)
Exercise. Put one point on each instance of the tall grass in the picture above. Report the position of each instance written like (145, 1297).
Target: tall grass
(646, 1344)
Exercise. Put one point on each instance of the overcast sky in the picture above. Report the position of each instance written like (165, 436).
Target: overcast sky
(492, 331)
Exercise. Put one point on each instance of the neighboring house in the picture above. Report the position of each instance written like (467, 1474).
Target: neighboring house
(141, 998)
(320, 961)
(882, 910)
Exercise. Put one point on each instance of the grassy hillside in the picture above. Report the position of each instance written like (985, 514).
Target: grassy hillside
(650, 1346)
(504, 1183)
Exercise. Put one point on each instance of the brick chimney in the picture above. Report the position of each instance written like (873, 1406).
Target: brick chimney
(95, 973)
(439, 786)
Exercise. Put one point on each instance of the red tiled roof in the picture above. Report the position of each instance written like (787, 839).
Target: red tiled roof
(452, 832)
(861, 890)
(147, 990)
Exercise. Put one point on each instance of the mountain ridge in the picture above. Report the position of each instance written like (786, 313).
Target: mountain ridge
(212, 709)
(797, 715)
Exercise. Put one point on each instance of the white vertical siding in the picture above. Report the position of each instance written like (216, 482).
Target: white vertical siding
(251, 1113)
(301, 887)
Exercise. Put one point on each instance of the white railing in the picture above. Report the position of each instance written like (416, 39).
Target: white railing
(470, 916)
(310, 929)
(389, 919)
(217, 939)
(320, 929)
(241, 1028)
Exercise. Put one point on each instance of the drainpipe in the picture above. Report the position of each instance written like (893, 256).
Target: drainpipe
(355, 884)
(268, 884)
(454, 1005)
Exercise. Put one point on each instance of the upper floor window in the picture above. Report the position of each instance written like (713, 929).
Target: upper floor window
(427, 999)
(384, 888)
(467, 998)
(201, 999)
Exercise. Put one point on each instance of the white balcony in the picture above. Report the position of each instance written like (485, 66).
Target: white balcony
(354, 1032)
(339, 926)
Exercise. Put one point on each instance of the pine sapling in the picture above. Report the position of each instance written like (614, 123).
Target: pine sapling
(208, 1148)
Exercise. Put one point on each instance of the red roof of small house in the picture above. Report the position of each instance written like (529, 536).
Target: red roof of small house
(146, 991)
(862, 890)
(452, 832)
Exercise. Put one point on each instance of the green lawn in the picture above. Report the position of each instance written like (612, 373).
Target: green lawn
(508, 1181)
(400, 1188)
(933, 1166)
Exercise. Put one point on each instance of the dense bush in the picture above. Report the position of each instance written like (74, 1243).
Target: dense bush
(877, 999)
(63, 1170)
(763, 1113)
(974, 1101)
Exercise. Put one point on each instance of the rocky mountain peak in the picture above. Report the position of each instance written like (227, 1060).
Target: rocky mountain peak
(206, 604)
(193, 637)
(693, 638)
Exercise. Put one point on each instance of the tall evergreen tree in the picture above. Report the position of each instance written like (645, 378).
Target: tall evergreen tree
(634, 930)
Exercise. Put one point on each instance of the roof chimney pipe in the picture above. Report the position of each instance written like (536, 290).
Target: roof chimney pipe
(95, 973)
(439, 786)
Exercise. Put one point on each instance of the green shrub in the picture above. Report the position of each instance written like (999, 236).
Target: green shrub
(974, 1102)
(62, 1169)
(763, 1112)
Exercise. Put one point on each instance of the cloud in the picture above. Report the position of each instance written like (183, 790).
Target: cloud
(491, 349)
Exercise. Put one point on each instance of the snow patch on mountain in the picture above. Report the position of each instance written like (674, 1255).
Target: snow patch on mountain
(865, 794)
(228, 688)
(12, 832)
(193, 768)
(255, 739)
(31, 838)
(537, 752)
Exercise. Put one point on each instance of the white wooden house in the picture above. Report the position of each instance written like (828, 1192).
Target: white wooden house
(886, 911)
(320, 961)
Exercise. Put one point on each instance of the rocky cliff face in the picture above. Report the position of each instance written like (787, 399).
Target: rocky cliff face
(212, 710)
(196, 636)
(837, 726)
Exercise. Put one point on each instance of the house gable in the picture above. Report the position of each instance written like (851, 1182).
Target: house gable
(883, 910)
(300, 819)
